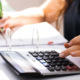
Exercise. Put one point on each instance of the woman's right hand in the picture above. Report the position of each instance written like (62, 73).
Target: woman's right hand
(6, 22)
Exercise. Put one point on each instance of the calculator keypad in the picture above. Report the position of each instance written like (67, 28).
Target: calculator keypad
(52, 61)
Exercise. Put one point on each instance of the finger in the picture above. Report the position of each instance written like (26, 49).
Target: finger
(74, 41)
(4, 19)
(1, 25)
(75, 53)
(66, 45)
(8, 24)
(69, 50)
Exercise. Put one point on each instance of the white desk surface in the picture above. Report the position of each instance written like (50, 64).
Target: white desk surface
(7, 74)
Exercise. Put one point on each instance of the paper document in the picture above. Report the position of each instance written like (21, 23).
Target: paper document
(28, 33)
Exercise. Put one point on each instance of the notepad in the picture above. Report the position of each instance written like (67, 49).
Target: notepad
(23, 35)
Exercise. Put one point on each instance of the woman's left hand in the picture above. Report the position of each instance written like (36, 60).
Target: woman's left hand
(73, 48)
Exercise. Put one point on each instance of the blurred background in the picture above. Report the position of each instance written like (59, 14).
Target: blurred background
(17, 5)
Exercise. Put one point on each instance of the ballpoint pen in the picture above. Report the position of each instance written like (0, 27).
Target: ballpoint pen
(2, 29)
(0, 10)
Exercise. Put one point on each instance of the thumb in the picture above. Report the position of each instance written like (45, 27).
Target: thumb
(74, 41)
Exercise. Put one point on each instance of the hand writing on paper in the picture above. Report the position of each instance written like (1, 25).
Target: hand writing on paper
(4, 23)
(8, 22)
(73, 48)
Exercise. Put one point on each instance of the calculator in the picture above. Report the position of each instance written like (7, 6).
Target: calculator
(43, 63)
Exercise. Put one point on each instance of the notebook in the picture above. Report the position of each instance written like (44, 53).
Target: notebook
(41, 33)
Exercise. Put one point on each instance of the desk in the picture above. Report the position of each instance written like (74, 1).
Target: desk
(10, 75)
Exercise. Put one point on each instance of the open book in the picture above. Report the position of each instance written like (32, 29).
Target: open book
(41, 33)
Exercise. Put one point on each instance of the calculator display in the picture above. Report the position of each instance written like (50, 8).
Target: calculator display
(20, 61)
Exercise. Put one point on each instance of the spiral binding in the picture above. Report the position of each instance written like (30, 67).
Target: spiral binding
(8, 34)
(37, 43)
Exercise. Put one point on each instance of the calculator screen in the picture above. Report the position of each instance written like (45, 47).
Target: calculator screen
(20, 62)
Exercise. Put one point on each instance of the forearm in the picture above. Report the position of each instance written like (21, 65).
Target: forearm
(49, 11)
(28, 16)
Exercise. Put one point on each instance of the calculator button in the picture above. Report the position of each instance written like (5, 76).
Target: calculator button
(45, 58)
(48, 51)
(58, 64)
(52, 64)
(57, 58)
(54, 54)
(51, 68)
(39, 58)
(42, 61)
(35, 55)
(75, 67)
(51, 57)
(71, 64)
(64, 68)
(36, 51)
(69, 67)
(53, 51)
(54, 61)
(66, 60)
(46, 64)
(48, 61)
(46, 54)
(42, 51)
(40, 54)
(31, 52)
(57, 68)
(64, 64)
(60, 60)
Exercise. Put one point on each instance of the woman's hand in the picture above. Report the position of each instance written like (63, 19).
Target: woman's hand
(6, 22)
(27, 16)
(73, 48)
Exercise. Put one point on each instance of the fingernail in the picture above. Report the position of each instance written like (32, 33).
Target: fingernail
(1, 24)
(61, 55)
(70, 43)
(73, 53)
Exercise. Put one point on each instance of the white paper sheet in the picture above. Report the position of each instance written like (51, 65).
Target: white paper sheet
(23, 35)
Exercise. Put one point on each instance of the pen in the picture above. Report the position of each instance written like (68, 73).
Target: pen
(0, 10)
(2, 29)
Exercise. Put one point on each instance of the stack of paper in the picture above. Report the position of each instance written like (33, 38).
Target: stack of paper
(44, 31)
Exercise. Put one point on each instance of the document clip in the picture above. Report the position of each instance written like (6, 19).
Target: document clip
(8, 36)
(37, 43)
